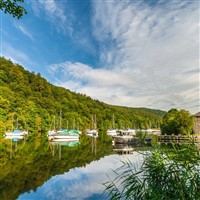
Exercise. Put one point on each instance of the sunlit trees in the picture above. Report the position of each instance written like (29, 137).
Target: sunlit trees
(35, 102)
(177, 122)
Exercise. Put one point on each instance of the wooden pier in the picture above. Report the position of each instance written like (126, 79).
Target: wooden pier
(179, 139)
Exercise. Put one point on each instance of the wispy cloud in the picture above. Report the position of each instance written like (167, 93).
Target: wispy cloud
(24, 30)
(54, 13)
(146, 52)
(15, 55)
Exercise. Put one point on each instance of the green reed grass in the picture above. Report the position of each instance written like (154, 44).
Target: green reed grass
(167, 173)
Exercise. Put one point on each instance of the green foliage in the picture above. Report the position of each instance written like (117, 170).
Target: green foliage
(12, 7)
(165, 174)
(35, 102)
(177, 122)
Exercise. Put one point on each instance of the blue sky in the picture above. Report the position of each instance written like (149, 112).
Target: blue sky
(130, 53)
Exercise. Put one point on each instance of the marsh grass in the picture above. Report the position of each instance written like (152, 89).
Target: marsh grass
(167, 173)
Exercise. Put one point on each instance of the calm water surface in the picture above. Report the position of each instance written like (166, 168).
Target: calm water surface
(34, 168)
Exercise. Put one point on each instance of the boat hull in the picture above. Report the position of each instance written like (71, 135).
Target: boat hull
(14, 137)
(70, 137)
(111, 132)
(15, 134)
(92, 133)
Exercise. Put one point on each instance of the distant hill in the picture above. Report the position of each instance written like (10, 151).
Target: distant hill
(30, 101)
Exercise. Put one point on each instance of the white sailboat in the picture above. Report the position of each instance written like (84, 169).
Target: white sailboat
(16, 132)
(113, 131)
(92, 132)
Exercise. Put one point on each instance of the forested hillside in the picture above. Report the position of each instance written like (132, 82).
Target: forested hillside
(30, 100)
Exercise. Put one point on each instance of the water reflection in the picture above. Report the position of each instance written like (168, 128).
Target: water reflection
(56, 145)
(35, 168)
(81, 183)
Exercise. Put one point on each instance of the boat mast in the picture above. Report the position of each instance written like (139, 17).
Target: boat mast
(17, 123)
(113, 121)
(54, 122)
(60, 119)
(150, 124)
(92, 123)
(95, 121)
(74, 122)
(12, 120)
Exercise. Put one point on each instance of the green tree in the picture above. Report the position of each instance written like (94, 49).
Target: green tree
(13, 7)
(177, 122)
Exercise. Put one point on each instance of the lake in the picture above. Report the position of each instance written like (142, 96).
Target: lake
(34, 168)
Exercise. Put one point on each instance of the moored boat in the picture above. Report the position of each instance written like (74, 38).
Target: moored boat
(111, 132)
(65, 134)
(14, 136)
(93, 133)
(123, 139)
(15, 133)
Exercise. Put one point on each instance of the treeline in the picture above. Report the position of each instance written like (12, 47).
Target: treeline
(30, 102)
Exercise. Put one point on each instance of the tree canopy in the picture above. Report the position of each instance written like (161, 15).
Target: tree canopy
(177, 122)
(12, 7)
(34, 102)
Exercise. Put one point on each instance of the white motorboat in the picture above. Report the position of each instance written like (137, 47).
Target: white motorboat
(92, 132)
(111, 132)
(15, 133)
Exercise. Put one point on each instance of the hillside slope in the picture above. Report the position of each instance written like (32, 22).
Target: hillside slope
(31, 100)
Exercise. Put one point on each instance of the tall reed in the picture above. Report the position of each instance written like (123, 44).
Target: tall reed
(167, 173)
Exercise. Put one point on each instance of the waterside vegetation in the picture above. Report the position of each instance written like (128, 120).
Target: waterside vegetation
(170, 172)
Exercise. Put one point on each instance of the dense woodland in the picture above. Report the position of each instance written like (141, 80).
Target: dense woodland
(29, 101)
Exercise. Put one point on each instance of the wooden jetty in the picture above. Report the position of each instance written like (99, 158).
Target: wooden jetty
(181, 139)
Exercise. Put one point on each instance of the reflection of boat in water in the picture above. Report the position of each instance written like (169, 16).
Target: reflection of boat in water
(14, 137)
(121, 139)
(58, 143)
(123, 148)
(66, 143)
(130, 139)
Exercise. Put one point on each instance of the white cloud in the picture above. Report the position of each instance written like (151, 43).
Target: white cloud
(54, 12)
(86, 180)
(24, 30)
(146, 54)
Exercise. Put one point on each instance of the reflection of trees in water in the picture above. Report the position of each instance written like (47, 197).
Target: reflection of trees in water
(32, 163)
